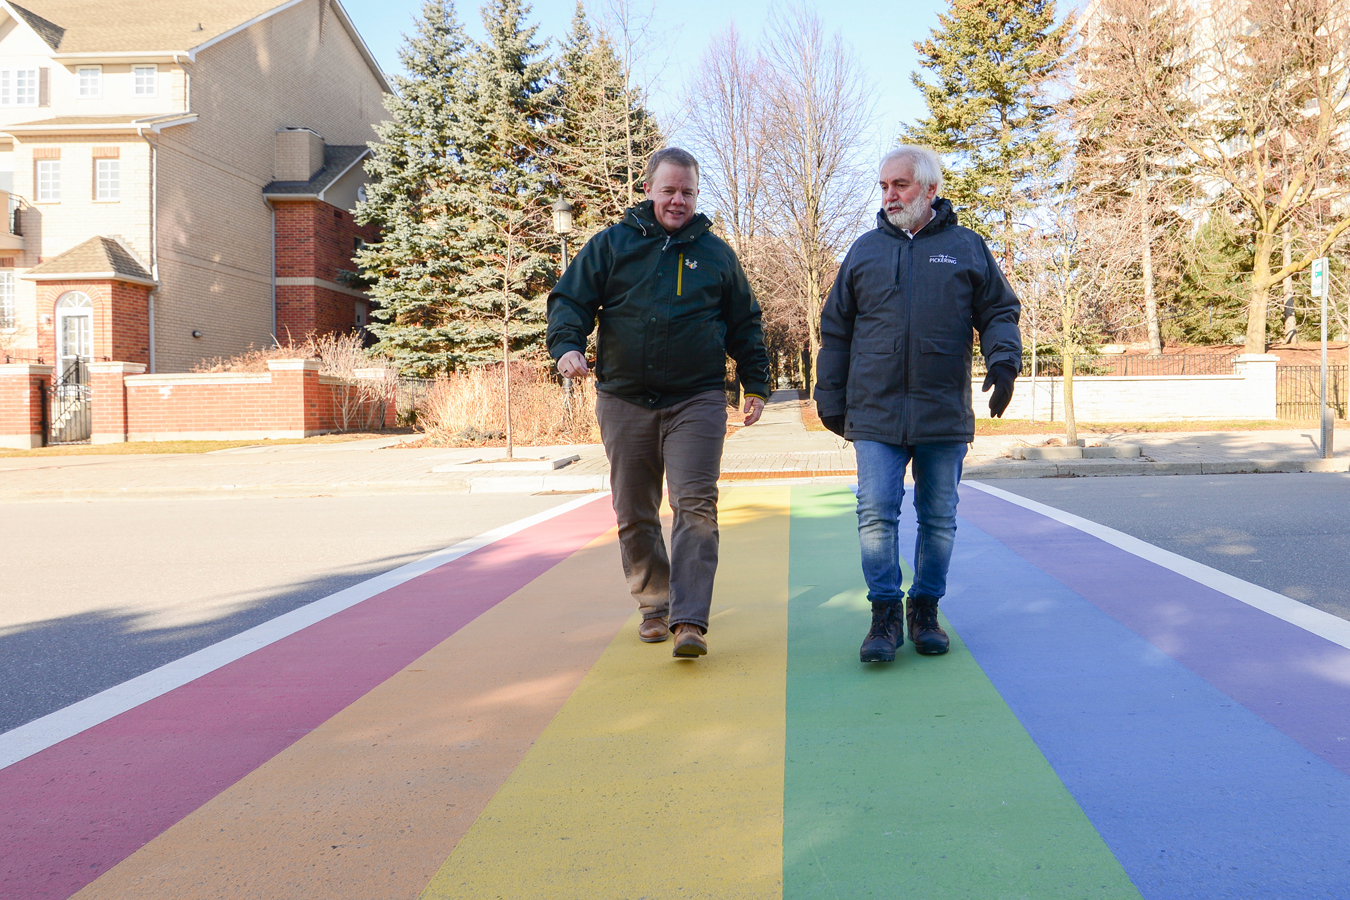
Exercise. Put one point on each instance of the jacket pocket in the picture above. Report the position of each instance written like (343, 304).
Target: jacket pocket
(944, 364)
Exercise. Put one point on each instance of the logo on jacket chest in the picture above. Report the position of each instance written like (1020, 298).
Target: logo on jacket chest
(691, 264)
(943, 258)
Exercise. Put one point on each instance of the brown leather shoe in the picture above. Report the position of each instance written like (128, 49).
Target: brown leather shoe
(689, 641)
(654, 630)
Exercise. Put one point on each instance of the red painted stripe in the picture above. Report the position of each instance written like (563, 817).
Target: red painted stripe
(73, 811)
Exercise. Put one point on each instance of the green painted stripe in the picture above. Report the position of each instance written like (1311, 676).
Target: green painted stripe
(911, 779)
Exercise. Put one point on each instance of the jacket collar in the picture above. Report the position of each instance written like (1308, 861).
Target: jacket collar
(643, 218)
(944, 217)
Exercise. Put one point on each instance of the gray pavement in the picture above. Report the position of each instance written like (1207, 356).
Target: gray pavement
(93, 593)
(1288, 533)
(779, 446)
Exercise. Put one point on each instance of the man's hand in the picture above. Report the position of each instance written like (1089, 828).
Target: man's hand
(834, 423)
(754, 408)
(573, 365)
(1001, 377)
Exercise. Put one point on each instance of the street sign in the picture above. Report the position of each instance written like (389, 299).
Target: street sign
(1319, 277)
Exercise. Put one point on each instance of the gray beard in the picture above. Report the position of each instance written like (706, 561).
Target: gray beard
(909, 218)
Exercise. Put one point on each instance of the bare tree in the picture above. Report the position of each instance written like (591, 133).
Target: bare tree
(1271, 82)
(818, 109)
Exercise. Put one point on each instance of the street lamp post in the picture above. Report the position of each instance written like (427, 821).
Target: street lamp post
(562, 226)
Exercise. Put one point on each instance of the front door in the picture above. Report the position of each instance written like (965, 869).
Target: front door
(74, 337)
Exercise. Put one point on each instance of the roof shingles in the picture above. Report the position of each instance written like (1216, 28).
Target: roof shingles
(99, 255)
(111, 26)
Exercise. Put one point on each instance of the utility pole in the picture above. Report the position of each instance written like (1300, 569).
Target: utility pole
(1320, 289)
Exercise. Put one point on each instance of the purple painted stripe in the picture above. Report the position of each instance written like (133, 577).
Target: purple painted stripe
(73, 811)
(1291, 678)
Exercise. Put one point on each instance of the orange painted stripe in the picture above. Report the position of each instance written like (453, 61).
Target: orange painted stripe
(372, 802)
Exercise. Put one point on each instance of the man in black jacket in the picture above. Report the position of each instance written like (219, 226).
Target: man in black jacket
(894, 378)
(672, 303)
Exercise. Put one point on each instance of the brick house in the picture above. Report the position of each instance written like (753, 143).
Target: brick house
(180, 175)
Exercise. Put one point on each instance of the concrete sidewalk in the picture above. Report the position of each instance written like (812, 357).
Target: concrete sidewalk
(778, 448)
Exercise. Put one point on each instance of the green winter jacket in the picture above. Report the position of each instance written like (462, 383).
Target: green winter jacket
(671, 308)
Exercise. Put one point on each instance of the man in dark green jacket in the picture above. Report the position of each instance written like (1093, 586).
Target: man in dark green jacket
(672, 303)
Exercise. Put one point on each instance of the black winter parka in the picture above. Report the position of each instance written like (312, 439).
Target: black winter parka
(896, 333)
(671, 308)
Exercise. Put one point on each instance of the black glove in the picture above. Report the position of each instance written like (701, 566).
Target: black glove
(1001, 377)
(834, 423)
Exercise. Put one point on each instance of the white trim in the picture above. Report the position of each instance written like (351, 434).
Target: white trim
(38, 735)
(89, 276)
(176, 379)
(155, 124)
(193, 51)
(1309, 618)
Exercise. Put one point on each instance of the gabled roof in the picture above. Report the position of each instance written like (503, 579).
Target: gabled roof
(97, 258)
(338, 160)
(75, 28)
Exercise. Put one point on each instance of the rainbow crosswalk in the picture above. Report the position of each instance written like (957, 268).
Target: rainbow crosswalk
(1111, 722)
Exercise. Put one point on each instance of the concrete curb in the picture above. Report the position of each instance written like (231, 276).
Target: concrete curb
(1102, 468)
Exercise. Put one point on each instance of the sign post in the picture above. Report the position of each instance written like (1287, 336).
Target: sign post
(1319, 290)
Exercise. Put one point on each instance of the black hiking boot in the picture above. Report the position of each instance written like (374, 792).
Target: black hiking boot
(886, 634)
(924, 630)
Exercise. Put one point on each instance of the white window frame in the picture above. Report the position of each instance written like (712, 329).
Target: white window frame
(10, 86)
(7, 321)
(50, 191)
(107, 179)
(148, 88)
(90, 79)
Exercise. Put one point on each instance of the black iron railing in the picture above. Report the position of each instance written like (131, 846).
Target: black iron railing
(1298, 391)
(69, 412)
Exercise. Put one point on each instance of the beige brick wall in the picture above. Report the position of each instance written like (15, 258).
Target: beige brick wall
(215, 227)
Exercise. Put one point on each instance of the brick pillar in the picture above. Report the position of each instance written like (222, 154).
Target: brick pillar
(108, 400)
(1259, 397)
(295, 394)
(24, 390)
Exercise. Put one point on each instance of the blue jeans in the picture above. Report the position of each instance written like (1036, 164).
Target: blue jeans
(881, 487)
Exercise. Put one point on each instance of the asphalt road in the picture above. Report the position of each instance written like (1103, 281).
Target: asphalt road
(1287, 533)
(95, 593)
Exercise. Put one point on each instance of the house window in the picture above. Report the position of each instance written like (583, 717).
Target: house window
(107, 179)
(91, 81)
(49, 181)
(147, 80)
(7, 301)
(18, 87)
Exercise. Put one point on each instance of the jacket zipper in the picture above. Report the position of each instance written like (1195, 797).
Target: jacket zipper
(679, 277)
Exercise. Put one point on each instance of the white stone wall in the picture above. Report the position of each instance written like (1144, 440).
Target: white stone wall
(1249, 393)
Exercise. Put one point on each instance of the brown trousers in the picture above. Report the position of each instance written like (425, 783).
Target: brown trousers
(683, 443)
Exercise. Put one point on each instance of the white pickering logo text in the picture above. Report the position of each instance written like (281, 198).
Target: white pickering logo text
(943, 258)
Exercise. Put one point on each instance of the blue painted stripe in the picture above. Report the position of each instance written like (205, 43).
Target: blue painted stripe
(1196, 795)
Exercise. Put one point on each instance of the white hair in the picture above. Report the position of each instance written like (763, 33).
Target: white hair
(924, 165)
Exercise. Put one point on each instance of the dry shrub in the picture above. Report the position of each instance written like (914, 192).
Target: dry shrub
(469, 409)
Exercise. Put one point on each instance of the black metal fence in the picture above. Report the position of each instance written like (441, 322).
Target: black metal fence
(1127, 365)
(1298, 391)
(69, 413)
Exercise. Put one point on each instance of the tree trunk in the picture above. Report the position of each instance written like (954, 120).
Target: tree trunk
(1259, 304)
(1146, 248)
(1290, 323)
(1067, 357)
(506, 355)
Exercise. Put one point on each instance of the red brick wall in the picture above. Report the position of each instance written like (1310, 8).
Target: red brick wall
(121, 318)
(315, 240)
(22, 392)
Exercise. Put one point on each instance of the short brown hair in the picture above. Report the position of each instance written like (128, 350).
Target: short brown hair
(682, 158)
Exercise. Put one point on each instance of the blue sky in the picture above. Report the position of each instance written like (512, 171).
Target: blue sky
(882, 34)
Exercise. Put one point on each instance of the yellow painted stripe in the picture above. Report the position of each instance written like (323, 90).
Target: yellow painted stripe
(679, 277)
(659, 777)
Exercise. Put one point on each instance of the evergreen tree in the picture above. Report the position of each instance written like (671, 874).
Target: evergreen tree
(989, 110)
(507, 268)
(416, 167)
(603, 133)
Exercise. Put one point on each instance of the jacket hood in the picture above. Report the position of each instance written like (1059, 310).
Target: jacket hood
(944, 217)
(643, 218)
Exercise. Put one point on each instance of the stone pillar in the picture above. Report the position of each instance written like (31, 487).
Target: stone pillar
(108, 400)
(1257, 370)
(295, 394)
(24, 392)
